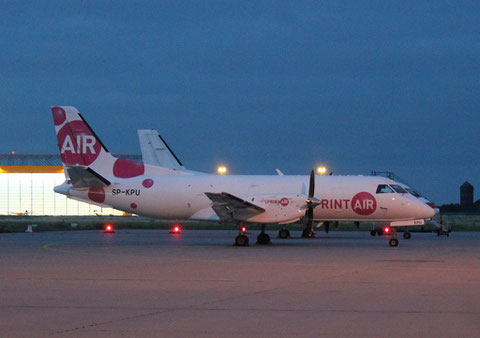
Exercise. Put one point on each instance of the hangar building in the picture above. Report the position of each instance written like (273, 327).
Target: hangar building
(26, 187)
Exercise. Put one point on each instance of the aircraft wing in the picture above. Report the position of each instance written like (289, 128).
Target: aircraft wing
(232, 208)
(84, 177)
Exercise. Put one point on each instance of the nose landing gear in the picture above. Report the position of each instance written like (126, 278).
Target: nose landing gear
(393, 242)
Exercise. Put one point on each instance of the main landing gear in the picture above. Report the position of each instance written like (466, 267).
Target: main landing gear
(263, 238)
(241, 239)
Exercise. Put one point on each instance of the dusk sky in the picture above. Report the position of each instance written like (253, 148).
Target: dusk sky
(256, 85)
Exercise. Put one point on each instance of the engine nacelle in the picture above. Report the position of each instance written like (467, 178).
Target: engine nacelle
(279, 208)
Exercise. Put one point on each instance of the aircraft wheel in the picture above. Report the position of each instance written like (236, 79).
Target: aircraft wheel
(241, 240)
(407, 235)
(284, 233)
(393, 242)
(373, 233)
(263, 238)
(380, 232)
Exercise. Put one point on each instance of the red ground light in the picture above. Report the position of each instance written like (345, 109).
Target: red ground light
(109, 228)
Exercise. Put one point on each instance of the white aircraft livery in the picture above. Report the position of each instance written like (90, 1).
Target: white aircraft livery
(94, 176)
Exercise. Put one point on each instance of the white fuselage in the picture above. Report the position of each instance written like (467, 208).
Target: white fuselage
(341, 198)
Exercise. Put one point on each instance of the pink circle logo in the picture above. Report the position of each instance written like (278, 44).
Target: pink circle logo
(58, 115)
(364, 203)
(96, 195)
(127, 169)
(148, 183)
(284, 201)
(77, 144)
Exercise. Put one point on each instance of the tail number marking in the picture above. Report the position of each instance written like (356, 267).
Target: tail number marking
(126, 192)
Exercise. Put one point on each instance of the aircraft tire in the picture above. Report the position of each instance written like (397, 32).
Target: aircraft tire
(263, 238)
(284, 233)
(241, 240)
(407, 235)
(380, 232)
(393, 242)
(373, 233)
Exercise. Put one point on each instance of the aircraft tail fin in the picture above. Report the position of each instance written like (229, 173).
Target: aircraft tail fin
(80, 147)
(156, 152)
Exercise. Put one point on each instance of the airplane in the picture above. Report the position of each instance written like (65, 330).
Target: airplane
(155, 151)
(95, 176)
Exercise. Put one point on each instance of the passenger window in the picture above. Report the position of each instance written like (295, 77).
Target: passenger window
(384, 189)
(399, 189)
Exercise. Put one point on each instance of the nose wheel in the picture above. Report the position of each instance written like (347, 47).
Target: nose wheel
(393, 242)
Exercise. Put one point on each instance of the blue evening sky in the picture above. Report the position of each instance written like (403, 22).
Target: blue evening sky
(256, 85)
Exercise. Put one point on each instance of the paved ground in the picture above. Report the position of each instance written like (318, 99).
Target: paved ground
(151, 283)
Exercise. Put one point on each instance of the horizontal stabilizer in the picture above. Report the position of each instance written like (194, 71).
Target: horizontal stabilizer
(231, 208)
(84, 177)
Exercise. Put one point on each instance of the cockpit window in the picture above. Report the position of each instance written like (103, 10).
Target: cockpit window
(384, 189)
(413, 192)
(399, 189)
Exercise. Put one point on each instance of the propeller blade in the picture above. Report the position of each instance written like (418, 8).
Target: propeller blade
(311, 187)
(312, 202)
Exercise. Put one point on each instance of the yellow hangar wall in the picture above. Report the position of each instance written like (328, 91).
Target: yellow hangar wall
(28, 190)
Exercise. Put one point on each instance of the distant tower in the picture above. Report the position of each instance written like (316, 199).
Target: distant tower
(466, 195)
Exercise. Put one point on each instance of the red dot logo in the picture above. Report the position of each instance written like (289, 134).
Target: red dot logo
(284, 201)
(96, 195)
(127, 169)
(148, 183)
(364, 203)
(58, 115)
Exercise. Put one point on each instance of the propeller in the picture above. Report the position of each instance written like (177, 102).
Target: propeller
(312, 202)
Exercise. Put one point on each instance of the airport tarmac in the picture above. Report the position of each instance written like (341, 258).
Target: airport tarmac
(152, 283)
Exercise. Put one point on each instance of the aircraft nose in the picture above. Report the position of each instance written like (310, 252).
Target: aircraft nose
(434, 207)
(426, 211)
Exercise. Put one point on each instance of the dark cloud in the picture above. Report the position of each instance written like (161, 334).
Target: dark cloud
(259, 85)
